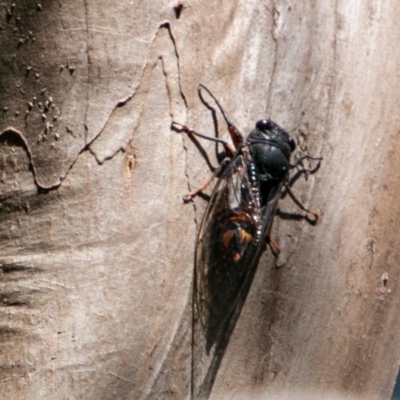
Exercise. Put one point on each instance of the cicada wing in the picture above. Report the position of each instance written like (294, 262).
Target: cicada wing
(230, 242)
(218, 269)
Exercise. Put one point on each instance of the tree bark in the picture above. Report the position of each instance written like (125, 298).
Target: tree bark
(97, 247)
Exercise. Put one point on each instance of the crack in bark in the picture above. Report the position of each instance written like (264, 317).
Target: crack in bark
(167, 26)
(9, 132)
(140, 89)
(274, 35)
(88, 60)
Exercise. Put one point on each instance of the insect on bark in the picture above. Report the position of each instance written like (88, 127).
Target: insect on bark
(234, 231)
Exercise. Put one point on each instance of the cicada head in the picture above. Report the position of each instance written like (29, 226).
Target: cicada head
(270, 147)
(275, 133)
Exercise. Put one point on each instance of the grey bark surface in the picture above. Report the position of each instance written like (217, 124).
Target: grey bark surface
(96, 245)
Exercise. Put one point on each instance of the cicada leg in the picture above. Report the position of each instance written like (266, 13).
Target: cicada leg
(228, 151)
(298, 203)
(237, 137)
(194, 193)
(291, 194)
(272, 245)
(306, 157)
(183, 128)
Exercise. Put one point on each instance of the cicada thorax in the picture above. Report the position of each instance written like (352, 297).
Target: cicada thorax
(270, 148)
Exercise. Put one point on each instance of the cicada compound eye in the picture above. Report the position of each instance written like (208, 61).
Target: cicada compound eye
(264, 124)
(292, 144)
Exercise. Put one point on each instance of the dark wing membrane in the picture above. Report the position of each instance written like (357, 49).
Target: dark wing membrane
(230, 242)
(228, 236)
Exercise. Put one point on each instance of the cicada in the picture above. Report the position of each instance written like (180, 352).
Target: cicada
(233, 234)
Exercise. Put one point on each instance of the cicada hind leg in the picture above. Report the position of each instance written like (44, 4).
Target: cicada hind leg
(236, 136)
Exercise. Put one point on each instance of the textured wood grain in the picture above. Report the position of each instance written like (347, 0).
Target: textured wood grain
(95, 290)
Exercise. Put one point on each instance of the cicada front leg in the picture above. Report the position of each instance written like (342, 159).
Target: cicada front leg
(229, 151)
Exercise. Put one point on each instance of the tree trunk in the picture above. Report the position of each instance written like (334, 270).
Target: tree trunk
(97, 247)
